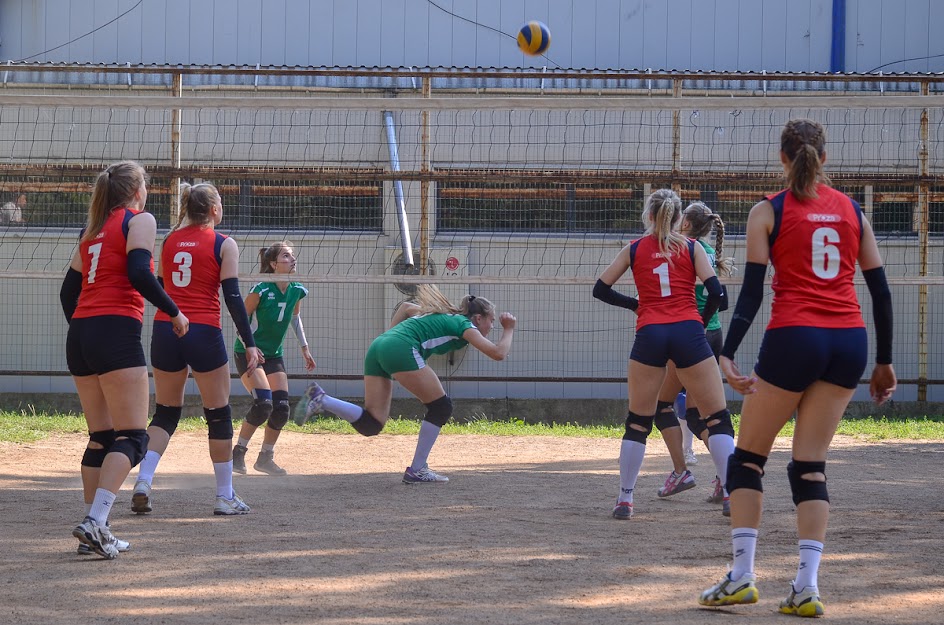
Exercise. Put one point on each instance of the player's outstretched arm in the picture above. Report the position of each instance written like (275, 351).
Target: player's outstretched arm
(495, 351)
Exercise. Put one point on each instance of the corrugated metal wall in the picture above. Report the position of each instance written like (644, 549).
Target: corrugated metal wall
(773, 35)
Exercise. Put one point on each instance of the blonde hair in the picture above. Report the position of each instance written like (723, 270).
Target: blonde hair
(662, 214)
(803, 141)
(114, 187)
(701, 220)
(431, 300)
(269, 255)
(196, 203)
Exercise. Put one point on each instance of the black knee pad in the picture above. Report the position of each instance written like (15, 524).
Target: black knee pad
(803, 489)
(724, 425)
(665, 415)
(439, 411)
(167, 418)
(632, 434)
(740, 476)
(260, 412)
(280, 410)
(95, 457)
(132, 443)
(694, 422)
(367, 424)
(219, 422)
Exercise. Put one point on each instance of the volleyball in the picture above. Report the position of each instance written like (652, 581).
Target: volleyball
(534, 38)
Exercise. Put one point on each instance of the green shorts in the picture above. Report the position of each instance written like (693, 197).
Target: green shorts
(388, 355)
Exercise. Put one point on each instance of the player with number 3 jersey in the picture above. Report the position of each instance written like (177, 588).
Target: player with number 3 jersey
(811, 359)
(195, 261)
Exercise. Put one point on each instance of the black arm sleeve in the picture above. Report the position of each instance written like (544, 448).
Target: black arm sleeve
(605, 293)
(714, 292)
(881, 312)
(69, 293)
(237, 310)
(749, 301)
(144, 282)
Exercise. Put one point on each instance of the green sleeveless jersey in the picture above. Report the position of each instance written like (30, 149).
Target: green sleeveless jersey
(273, 316)
(435, 333)
(700, 297)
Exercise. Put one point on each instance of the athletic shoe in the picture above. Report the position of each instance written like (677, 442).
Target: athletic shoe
(690, 457)
(423, 475)
(309, 405)
(717, 493)
(121, 545)
(806, 603)
(230, 507)
(97, 538)
(731, 591)
(239, 459)
(265, 463)
(676, 483)
(141, 497)
(726, 506)
(623, 511)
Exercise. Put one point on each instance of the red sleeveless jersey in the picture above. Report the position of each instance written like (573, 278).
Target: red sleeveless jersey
(190, 266)
(666, 289)
(813, 248)
(106, 289)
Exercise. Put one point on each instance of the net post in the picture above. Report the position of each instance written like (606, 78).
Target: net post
(177, 91)
(424, 183)
(676, 129)
(923, 216)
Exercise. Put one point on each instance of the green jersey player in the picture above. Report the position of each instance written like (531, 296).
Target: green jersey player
(276, 307)
(431, 326)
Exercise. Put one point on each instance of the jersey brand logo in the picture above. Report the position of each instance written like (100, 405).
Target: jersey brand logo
(823, 218)
(187, 244)
(662, 255)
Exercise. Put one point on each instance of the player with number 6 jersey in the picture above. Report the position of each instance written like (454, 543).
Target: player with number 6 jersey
(195, 261)
(811, 359)
(669, 327)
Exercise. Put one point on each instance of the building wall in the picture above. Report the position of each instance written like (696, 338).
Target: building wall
(745, 35)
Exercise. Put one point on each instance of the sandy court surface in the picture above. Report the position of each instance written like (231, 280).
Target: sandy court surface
(522, 534)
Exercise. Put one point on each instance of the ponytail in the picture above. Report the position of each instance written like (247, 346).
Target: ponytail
(803, 142)
(431, 300)
(662, 213)
(114, 187)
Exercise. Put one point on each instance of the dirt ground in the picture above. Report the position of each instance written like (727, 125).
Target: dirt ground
(521, 534)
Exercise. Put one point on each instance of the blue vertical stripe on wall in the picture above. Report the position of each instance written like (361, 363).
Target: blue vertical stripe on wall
(837, 55)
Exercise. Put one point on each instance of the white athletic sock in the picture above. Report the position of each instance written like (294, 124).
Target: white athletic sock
(346, 410)
(721, 446)
(429, 432)
(630, 462)
(242, 442)
(811, 551)
(224, 478)
(148, 466)
(268, 447)
(687, 436)
(744, 543)
(102, 506)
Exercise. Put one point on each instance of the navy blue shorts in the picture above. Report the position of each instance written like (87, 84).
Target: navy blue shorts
(793, 358)
(97, 345)
(202, 348)
(683, 343)
(270, 366)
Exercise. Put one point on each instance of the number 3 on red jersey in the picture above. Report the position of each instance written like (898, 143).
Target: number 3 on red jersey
(825, 259)
(184, 261)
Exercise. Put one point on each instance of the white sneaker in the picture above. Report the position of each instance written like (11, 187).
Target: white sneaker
(122, 545)
(141, 497)
(422, 475)
(690, 457)
(804, 603)
(97, 538)
(230, 507)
